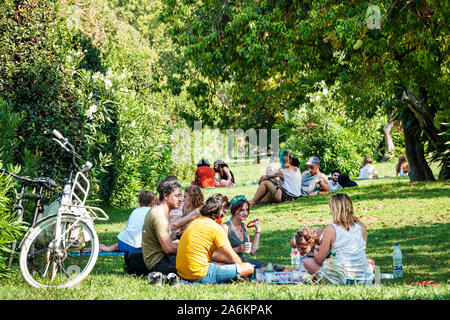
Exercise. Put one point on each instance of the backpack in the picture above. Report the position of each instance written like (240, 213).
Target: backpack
(134, 262)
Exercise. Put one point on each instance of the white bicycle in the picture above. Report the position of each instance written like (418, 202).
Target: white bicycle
(60, 250)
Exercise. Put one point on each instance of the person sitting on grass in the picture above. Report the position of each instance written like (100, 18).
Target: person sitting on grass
(306, 240)
(289, 189)
(193, 201)
(347, 237)
(131, 237)
(204, 175)
(333, 182)
(402, 167)
(159, 243)
(226, 177)
(314, 182)
(238, 233)
(367, 169)
(204, 253)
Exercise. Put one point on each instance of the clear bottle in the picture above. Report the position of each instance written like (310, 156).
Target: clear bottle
(258, 274)
(269, 273)
(295, 259)
(397, 262)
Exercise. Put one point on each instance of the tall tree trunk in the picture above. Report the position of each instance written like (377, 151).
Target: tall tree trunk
(388, 141)
(419, 169)
(424, 115)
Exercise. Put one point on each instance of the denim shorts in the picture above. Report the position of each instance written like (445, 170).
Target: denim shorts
(123, 247)
(220, 273)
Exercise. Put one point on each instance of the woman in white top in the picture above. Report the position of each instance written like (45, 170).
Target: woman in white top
(367, 170)
(347, 237)
(402, 167)
(289, 189)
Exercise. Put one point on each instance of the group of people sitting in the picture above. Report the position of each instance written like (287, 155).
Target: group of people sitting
(200, 247)
(185, 236)
(288, 183)
(205, 176)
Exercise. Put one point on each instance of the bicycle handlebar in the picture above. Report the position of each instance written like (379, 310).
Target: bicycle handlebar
(58, 135)
(47, 182)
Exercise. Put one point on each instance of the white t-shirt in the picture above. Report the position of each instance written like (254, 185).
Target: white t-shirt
(367, 171)
(334, 187)
(132, 235)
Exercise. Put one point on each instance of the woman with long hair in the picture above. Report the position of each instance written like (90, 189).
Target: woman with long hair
(288, 189)
(193, 201)
(367, 170)
(402, 167)
(347, 237)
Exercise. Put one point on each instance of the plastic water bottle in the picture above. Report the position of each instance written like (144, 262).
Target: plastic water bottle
(295, 259)
(269, 273)
(397, 262)
(258, 274)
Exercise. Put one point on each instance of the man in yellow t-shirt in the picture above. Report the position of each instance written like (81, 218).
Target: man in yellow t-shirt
(205, 241)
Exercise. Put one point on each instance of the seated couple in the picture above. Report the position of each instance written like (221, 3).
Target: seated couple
(346, 236)
(205, 176)
(203, 253)
(131, 237)
(292, 184)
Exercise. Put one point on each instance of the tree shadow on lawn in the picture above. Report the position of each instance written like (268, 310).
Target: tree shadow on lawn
(424, 249)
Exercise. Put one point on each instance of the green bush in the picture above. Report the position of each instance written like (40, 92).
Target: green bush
(36, 78)
(321, 128)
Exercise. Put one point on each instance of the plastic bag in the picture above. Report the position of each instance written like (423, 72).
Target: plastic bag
(333, 272)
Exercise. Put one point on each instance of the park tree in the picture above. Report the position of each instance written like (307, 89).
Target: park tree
(388, 55)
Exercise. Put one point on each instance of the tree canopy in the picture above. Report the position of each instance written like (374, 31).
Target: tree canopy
(269, 54)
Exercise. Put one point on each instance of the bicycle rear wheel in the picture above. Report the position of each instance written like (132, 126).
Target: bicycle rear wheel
(45, 265)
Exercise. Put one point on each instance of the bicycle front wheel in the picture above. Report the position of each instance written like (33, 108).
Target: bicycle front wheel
(47, 262)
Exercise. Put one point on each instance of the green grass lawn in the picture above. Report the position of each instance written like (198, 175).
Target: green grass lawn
(394, 211)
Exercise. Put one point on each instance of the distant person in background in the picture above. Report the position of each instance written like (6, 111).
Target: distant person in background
(314, 182)
(333, 182)
(204, 175)
(367, 170)
(131, 237)
(295, 162)
(226, 177)
(345, 182)
(402, 167)
(288, 189)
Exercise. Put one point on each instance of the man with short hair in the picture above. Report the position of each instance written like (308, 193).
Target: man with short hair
(159, 243)
(314, 182)
(334, 184)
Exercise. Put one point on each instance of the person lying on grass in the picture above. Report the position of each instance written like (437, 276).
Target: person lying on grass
(271, 192)
(238, 233)
(193, 201)
(347, 237)
(314, 182)
(204, 253)
(131, 237)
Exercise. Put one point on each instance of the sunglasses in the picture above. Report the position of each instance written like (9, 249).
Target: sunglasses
(305, 236)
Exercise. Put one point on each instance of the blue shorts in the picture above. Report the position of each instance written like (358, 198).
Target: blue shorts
(123, 247)
(220, 273)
